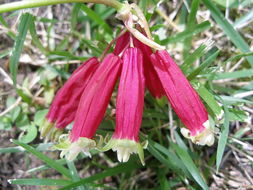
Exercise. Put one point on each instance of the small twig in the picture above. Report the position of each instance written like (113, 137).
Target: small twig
(11, 107)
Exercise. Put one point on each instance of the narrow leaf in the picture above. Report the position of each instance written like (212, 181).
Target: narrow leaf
(52, 163)
(24, 24)
(228, 29)
(122, 168)
(189, 164)
(35, 181)
(223, 138)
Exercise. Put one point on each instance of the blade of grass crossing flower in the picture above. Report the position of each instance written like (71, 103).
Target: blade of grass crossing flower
(39, 182)
(223, 138)
(52, 163)
(189, 164)
(228, 29)
(208, 97)
(186, 33)
(190, 25)
(23, 26)
(95, 17)
(121, 168)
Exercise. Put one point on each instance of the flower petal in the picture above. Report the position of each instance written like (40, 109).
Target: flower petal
(129, 107)
(183, 98)
(95, 98)
(64, 106)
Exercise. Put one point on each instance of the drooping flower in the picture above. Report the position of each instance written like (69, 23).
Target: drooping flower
(92, 107)
(129, 107)
(63, 108)
(184, 99)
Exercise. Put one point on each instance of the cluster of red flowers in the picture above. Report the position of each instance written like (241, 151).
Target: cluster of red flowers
(86, 95)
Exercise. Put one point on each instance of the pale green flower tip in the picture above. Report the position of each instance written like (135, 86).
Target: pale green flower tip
(71, 150)
(206, 137)
(126, 147)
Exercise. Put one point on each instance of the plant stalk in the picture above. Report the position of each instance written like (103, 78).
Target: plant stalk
(7, 7)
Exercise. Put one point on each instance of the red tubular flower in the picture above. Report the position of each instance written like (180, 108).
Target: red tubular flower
(129, 107)
(184, 99)
(152, 81)
(92, 107)
(63, 108)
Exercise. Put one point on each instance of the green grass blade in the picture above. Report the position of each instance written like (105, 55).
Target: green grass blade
(171, 160)
(11, 150)
(45, 166)
(189, 164)
(74, 173)
(39, 182)
(203, 65)
(228, 29)
(35, 38)
(187, 33)
(244, 19)
(236, 57)
(233, 100)
(223, 138)
(52, 163)
(121, 168)
(74, 15)
(23, 26)
(208, 97)
(95, 17)
(190, 59)
(190, 25)
(234, 75)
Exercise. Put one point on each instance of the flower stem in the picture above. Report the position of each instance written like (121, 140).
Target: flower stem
(38, 3)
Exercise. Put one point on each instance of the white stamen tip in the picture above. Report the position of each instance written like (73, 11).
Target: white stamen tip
(126, 147)
(205, 137)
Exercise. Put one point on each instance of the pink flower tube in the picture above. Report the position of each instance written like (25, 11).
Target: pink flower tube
(92, 107)
(129, 107)
(63, 108)
(184, 99)
(152, 81)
